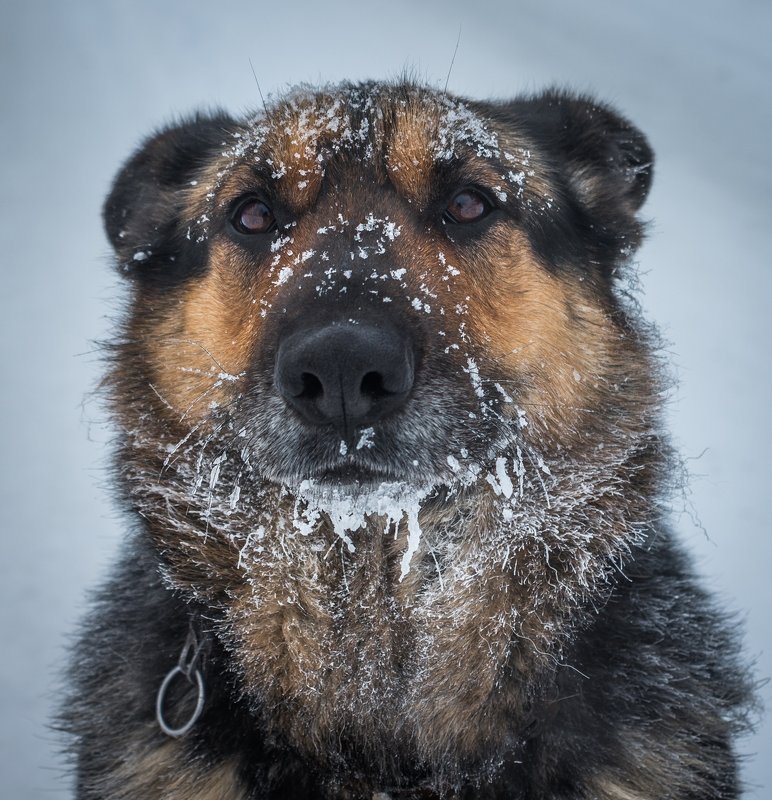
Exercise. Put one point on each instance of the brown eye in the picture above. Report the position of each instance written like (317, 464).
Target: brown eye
(467, 206)
(254, 216)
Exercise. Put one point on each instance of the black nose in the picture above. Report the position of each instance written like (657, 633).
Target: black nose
(344, 374)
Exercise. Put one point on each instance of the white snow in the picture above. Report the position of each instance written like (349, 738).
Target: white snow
(285, 273)
(366, 438)
(349, 508)
(501, 483)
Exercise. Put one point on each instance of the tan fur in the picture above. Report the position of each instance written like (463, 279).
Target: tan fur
(544, 328)
(203, 341)
(655, 762)
(167, 772)
(409, 153)
(300, 134)
(606, 788)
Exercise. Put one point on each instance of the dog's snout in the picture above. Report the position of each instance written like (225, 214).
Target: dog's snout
(347, 375)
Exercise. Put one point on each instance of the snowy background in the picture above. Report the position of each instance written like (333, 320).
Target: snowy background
(80, 84)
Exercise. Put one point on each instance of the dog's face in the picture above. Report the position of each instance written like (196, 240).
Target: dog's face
(383, 283)
(381, 310)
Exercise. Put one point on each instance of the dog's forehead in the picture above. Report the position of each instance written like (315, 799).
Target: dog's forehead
(370, 120)
(399, 134)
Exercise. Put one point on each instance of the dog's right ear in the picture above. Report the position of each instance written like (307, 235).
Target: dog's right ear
(142, 210)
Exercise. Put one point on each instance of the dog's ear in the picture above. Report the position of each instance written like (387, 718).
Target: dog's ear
(141, 213)
(606, 160)
(600, 168)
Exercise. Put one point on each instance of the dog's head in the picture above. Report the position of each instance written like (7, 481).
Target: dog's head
(381, 308)
(382, 283)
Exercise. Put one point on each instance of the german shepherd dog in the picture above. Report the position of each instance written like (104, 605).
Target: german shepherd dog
(389, 432)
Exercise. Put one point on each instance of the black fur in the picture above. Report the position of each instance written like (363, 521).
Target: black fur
(142, 212)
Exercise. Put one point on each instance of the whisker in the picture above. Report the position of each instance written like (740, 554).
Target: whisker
(452, 61)
(201, 347)
(162, 398)
(537, 469)
(259, 90)
(215, 385)
(169, 458)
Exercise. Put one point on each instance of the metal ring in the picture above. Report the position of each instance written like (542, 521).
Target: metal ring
(176, 733)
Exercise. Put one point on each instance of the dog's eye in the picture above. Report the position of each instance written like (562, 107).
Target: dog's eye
(467, 206)
(254, 216)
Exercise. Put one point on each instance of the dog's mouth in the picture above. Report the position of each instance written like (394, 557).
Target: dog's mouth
(362, 469)
(351, 474)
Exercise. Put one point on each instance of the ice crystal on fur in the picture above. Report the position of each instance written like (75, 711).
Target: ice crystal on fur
(349, 508)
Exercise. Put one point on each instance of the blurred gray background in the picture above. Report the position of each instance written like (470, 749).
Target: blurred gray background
(81, 82)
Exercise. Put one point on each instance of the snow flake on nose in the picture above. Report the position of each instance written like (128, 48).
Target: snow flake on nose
(384, 231)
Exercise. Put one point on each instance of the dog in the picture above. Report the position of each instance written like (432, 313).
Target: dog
(389, 435)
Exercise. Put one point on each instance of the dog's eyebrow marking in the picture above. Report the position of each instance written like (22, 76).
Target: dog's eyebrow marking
(427, 136)
(309, 131)
(409, 152)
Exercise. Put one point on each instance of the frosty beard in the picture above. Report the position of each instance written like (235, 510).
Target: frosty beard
(364, 616)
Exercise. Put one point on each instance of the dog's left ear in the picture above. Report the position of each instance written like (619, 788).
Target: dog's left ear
(606, 160)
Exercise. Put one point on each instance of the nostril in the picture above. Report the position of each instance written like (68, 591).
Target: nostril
(372, 385)
(312, 386)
